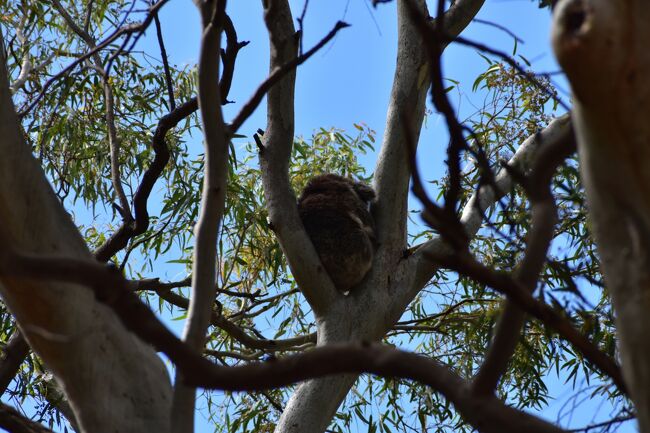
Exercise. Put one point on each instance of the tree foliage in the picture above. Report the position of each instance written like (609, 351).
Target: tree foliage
(260, 313)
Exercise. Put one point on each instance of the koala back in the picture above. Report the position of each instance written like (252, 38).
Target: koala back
(336, 216)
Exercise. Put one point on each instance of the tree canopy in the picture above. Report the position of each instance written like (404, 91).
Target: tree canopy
(135, 195)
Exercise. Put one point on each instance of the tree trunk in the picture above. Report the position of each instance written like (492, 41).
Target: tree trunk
(373, 307)
(603, 47)
(114, 382)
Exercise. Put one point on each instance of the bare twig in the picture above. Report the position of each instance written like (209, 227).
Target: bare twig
(500, 27)
(125, 30)
(276, 75)
(165, 60)
(604, 424)
(435, 43)
(89, 14)
(445, 222)
(301, 24)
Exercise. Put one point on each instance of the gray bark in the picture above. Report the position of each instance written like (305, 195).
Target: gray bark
(213, 198)
(367, 313)
(113, 381)
(603, 47)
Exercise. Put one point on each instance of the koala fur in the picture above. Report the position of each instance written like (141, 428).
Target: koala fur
(335, 213)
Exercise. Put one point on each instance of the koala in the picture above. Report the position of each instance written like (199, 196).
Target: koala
(336, 214)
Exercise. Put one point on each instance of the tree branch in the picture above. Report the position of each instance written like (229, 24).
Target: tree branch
(274, 160)
(155, 285)
(129, 229)
(276, 75)
(26, 66)
(465, 264)
(486, 413)
(13, 421)
(228, 57)
(473, 212)
(544, 216)
(13, 356)
(408, 97)
(213, 199)
(461, 261)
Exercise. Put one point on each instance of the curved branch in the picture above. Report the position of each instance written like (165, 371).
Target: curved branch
(213, 198)
(129, 229)
(543, 219)
(110, 287)
(13, 356)
(276, 75)
(407, 100)
(274, 160)
(484, 198)
(487, 414)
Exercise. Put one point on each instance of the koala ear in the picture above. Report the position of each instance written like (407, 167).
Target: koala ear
(365, 193)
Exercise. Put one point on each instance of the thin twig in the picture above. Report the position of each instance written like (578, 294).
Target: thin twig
(165, 60)
(276, 75)
(131, 28)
